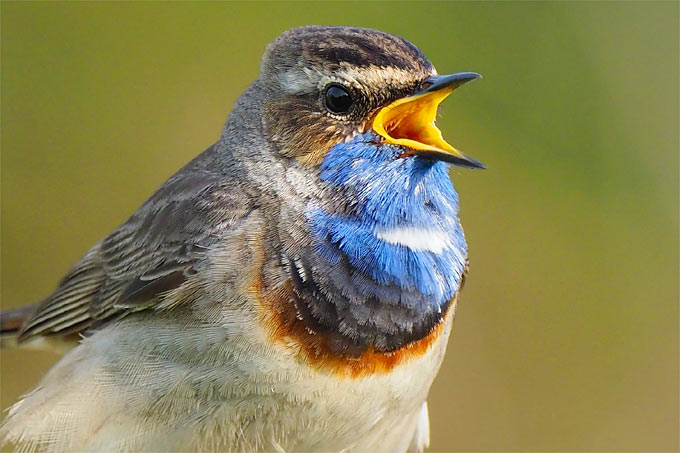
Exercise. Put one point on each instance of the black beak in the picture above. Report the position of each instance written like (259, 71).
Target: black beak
(410, 121)
(450, 81)
(436, 83)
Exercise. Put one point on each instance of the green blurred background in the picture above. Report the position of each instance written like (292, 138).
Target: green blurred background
(566, 338)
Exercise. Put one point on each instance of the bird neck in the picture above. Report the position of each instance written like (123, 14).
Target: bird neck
(387, 250)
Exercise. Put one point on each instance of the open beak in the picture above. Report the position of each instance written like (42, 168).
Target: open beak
(409, 121)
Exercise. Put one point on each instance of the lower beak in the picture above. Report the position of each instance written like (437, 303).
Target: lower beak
(409, 121)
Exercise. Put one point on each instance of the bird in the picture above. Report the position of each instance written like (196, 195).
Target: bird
(292, 288)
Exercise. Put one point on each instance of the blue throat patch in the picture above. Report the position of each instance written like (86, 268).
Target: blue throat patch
(393, 205)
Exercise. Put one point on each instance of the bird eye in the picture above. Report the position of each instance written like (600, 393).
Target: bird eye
(338, 99)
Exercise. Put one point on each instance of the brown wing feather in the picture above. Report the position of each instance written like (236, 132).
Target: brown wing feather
(150, 254)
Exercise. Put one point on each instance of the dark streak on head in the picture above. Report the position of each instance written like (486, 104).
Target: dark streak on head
(332, 46)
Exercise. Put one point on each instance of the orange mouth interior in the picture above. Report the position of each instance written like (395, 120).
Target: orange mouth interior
(410, 122)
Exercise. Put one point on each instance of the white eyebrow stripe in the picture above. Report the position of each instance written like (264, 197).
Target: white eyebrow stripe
(416, 239)
(303, 80)
(377, 75)
(300, 81)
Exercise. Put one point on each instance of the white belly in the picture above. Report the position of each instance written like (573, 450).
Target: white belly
(219, 388)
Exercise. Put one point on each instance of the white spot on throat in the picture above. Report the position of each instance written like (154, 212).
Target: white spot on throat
(416, 239)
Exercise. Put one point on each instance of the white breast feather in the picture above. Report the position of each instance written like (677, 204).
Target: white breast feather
(117, 392)
(416, 239)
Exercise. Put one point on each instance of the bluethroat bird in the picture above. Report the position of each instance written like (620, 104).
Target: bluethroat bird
(292, 288)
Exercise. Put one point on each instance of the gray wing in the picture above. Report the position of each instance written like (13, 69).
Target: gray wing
(153, 252)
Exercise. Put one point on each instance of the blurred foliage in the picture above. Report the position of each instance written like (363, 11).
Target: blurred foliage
(567, 334)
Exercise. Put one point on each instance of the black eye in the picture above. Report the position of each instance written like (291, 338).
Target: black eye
(338, 99)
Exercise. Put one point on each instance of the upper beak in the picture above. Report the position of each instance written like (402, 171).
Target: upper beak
(410, 121)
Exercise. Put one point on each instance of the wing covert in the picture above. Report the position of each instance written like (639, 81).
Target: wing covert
(153, 252)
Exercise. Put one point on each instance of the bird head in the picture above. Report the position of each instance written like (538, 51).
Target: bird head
(326, 85)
